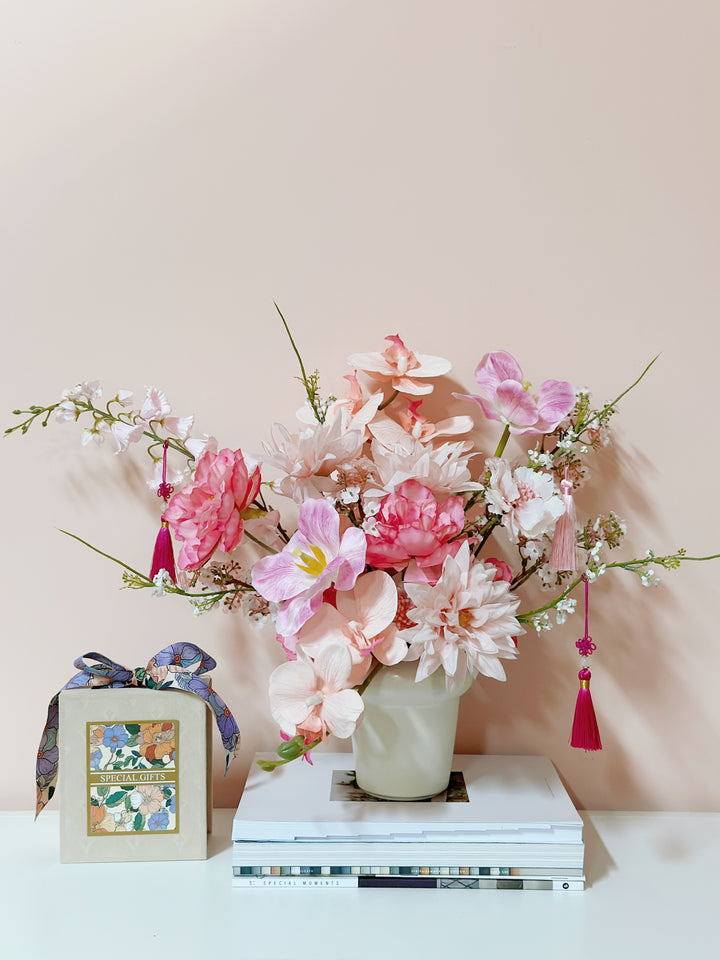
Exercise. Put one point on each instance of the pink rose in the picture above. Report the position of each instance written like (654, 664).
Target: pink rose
(207, 514)
(412, 525)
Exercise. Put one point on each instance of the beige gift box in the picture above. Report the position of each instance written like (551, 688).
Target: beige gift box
(135, 775)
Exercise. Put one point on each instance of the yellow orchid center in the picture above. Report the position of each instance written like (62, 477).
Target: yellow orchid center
(526, 384)
(312, 565)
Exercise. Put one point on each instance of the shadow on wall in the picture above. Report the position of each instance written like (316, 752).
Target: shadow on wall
(645, 706)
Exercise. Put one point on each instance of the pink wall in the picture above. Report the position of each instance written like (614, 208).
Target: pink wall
(472, 175)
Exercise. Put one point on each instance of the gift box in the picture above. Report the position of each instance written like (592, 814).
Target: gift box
(136, 775)
(134, 748)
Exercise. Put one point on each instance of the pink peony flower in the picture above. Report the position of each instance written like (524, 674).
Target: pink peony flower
(207, 514)
(412, 525)
(506, 397)
(404, 369)
(313, 698)
(315, 557)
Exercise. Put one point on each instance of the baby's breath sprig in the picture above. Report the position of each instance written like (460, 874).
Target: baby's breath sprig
(311, 382)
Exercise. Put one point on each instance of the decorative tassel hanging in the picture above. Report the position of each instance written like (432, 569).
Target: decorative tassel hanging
(163, 557)
(585, 733)
(564, 551)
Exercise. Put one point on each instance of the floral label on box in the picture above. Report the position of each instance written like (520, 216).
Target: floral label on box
(132, 777)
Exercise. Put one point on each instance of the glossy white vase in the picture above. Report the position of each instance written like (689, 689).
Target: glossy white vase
(404, 745)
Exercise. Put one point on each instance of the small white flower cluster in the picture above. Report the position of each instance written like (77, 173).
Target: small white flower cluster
(563, 608)
(595, 569)
(162, 579)
(648, 578)
(568, 439)
(539, 460)
(257, 608)
(547, 576)
(541, 622)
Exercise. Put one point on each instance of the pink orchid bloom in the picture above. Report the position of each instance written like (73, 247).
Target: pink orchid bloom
(315, 557)
(411, 423)
(506, 397)
(404, 369)
(364, 620)
(411, 524)
(314, 698)
(208, 514)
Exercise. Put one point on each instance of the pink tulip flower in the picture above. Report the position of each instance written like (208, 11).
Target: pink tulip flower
(315, 557)
(506, 397)
(207, 514)
(412, 525)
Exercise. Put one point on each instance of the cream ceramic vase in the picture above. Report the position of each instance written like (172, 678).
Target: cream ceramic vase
(404, 745)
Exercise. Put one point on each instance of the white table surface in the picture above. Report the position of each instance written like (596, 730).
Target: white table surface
(653, 892)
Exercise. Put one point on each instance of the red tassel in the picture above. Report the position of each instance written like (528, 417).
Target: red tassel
(564, 552)
(163, 557)
(585, 733)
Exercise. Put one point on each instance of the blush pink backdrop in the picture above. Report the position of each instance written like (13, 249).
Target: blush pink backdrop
(536, 177)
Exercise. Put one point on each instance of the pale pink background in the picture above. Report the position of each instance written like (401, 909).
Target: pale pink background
(540, 177)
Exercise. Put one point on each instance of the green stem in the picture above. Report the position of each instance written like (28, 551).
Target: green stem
(292, 343)
(388, 401)
(503, 441)
(631, 565)
(146, 581)
(366, 682)
(136, 573)
(260, 543)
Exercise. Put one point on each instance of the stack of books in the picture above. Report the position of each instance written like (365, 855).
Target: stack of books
(503, 823)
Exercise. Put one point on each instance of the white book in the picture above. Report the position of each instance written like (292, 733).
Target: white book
(348, 854)
(493, 800)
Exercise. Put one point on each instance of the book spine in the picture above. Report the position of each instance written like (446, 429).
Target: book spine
(410, 883)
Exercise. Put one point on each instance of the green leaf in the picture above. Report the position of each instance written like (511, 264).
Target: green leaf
(133, 728)
(116, 798)
(138, 822)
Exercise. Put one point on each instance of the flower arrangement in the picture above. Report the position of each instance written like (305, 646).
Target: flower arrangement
(392, 556)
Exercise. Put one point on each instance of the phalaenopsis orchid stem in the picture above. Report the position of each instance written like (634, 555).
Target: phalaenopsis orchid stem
(163, 557)
(585, 733)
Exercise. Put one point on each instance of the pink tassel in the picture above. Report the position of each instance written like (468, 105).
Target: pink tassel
(163, 557)
(585, 733)
(564, 552)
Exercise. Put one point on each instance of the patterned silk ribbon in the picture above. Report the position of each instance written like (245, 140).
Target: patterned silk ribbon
(178, 667)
